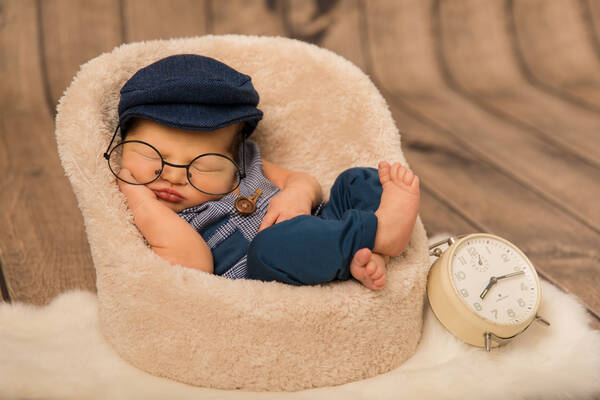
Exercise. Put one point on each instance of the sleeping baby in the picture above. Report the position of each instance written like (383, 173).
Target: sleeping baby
(203, 197)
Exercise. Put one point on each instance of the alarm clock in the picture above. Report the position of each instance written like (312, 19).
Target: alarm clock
(483, 289)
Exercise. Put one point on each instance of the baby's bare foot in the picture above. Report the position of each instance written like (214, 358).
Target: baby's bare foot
(369, 268)
(397, 212)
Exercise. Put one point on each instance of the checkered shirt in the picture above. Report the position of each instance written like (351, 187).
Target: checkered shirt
(206, 214)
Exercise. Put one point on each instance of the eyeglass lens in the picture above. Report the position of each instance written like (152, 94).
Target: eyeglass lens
(213, 174)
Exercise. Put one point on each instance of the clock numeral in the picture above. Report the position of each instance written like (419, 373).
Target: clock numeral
(472, 251)
(521, 302)
(495, 312)
(477, 306)
(462, 260)
(517, 268)
(510, 313)
(524, 286)
(504, 258)
(460, 275)
(464, 292)
(488, 250)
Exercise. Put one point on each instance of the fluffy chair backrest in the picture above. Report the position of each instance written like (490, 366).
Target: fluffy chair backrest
(322, 115)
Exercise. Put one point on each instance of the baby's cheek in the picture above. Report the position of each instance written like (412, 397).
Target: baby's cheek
(197, 197)
(215, 182)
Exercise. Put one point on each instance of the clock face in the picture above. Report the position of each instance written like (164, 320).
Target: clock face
(494, 280)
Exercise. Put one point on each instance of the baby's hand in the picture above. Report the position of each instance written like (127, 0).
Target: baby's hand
(160, 225)
(136, 194)
(287, 204)
(170, 236)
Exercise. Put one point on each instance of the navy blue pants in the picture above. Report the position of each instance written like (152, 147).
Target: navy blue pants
(308, 249)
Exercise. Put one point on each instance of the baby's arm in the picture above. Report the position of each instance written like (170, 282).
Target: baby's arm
(286, 179)
(300, 193)
(170, 236)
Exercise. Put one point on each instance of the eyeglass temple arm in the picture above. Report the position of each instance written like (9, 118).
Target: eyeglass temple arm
(111, 142)
(243, 175)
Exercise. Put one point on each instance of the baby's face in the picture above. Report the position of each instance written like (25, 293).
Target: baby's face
(180, 146)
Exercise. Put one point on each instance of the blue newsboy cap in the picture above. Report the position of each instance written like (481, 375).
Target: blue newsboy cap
(190, 91)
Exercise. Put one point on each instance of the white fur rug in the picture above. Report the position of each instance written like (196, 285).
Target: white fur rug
(57, 352)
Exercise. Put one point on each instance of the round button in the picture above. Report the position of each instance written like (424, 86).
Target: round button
(244, 205)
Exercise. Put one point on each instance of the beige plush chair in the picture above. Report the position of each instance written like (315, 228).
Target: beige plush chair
(322, 115)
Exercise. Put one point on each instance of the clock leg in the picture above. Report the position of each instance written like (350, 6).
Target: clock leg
(541, 320)
(488, 341)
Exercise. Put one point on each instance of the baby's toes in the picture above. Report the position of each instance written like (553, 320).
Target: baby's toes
(377, 274)
(384, 172)
(399, 175)
(362, 256)
(409, 176)
(394, 172)
(415, 183)
(414, 186)
(371, 268)
(379, 283)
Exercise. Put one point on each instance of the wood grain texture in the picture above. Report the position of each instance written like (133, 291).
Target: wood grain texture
(592, 15)
(563, 60)
(439, 215)
(515, 149)
(477, 56)
(163, 19)
(74, 35)
(555, 174)
(43, 245)
(247, 17)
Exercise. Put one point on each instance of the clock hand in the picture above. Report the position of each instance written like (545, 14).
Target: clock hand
(491, 283)
(511, 274)
(495, 279)
(480, 263)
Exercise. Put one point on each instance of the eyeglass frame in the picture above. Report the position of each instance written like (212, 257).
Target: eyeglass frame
(242, 172)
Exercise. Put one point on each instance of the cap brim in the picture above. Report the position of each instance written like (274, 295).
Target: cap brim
(202, 117)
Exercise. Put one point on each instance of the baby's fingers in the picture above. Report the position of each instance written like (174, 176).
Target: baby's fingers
(126, 175)
(125, 187)
(268, 220)
(136, 194)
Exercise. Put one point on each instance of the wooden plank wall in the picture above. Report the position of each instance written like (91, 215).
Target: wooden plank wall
(498, 103)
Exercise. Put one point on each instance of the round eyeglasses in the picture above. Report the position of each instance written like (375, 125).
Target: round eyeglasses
(210, 173)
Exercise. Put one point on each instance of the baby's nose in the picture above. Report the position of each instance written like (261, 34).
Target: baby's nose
(174, 175)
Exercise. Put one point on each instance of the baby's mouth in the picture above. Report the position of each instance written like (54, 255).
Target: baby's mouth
(168, 196)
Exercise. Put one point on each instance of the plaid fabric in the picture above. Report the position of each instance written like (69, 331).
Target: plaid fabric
(239, 270)
(206, 214)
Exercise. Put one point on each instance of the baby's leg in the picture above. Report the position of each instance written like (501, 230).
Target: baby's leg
(398, 208)
(308, 250)
(369, 268)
